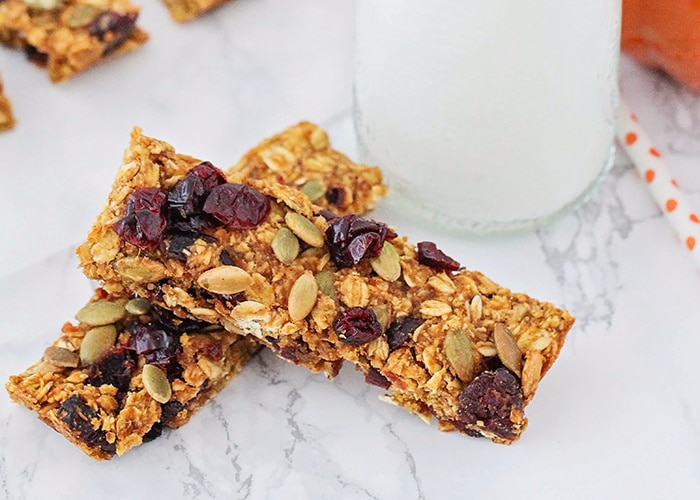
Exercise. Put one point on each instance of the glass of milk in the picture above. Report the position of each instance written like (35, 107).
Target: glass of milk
(487, 115)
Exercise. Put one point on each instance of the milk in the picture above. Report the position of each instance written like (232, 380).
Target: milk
(487, 115)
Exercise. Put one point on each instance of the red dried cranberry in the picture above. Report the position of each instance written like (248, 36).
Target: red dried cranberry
(237, 205)
(429, 255)
(327, 214)
(186, 198)
(357, 326)
(158, 346)
(351, 237)
(115, 367)
(112, 28)
(226, 259)
(400, 330)
(335, 196)
(489, 398)
(143, 223)
(374, 377)
(78, 416)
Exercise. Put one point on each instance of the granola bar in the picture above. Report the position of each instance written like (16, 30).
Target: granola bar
(320, 289)
(124, 371)
(95, 392)
(68, 36)
(186, 10)
(7, 119)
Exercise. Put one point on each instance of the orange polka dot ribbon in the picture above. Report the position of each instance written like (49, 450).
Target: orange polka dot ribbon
(655, 174)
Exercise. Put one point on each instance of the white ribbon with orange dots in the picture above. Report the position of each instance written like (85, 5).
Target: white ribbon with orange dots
(655, 173)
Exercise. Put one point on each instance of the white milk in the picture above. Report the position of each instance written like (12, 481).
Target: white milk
(487, 114)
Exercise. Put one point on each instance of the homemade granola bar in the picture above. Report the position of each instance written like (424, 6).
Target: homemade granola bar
(68, 36)
(125, 370)
(95, 391)
(186, 10)
(7, 119)
(317, 289)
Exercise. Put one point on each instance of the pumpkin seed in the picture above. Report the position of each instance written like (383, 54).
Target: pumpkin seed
(285, 246)
(458, 349)
(82, 15)
(43, 4)
(140, 269)
(326, 283)
(61, 356)
(388, 264)
(102, 312)
(156, 383)
(313, 189)
(96, 342)
(304, 229)
(225, 280)
(137, 306)
(302, 296)
(382, 316)
(507, 348)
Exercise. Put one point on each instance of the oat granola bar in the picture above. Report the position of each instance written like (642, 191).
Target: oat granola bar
(100, 402)
(7, 119)
(68, 36)
(186, 10)
(124, 371)
(320, 289)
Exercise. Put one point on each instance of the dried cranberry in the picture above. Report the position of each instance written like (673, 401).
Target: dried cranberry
(170, 322)
(79, 417)
(351, 237)
(327, 214)
(154, 432)
(115, 367)
(169, 410)
(489, 398)
(374, 377)
(430, 255)
(335, 196)
(186, 198)
(400, 330)
(357, 326)
(41, 59)
(237, 205)
(226, 259)
(158, 346)
(144, 223)
(112, 28)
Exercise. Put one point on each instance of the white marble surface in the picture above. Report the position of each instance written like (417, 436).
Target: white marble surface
(617, 417)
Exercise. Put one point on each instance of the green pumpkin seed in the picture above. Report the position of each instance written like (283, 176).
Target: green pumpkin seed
(313, 189)
(302, 296)
(60, 356)
(102, 312)
(304, 229)
(388, 264)
(156, 383)
(326, 283)
(285, 246)
(138, 306)
(458, 349)
(226, 280)
(96, 342)
(82, 15)
(507, 348)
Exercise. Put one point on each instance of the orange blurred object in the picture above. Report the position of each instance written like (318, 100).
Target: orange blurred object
(664, 34)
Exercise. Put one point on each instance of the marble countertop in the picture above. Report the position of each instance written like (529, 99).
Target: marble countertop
(618, 416)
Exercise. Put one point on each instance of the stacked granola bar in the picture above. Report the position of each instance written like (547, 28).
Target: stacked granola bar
(127, 368)
(319, 288)
(199, 269)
